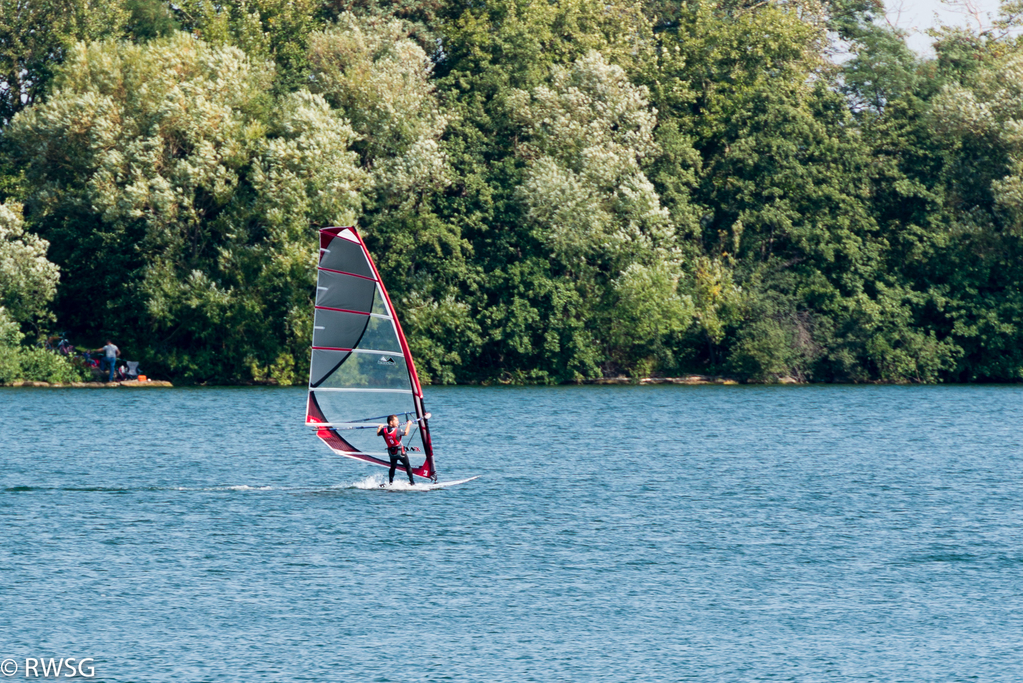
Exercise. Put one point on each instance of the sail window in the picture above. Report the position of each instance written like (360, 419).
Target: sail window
(370, 371)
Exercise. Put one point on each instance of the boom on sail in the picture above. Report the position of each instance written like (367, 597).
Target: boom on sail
(361, 369)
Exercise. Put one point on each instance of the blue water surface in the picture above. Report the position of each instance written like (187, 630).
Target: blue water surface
(667, 533)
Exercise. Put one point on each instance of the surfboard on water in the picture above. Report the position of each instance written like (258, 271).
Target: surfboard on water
(403, 486)
(361, 369)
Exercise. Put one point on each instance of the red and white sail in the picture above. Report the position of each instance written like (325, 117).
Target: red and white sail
(361, 369)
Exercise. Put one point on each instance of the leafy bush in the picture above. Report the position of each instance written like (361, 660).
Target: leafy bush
(18, 362)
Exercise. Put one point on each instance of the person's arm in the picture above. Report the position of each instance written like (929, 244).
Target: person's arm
(117, 351)
(408, 426)
(380, 428)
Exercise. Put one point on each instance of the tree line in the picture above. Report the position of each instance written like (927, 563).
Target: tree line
(553, 191)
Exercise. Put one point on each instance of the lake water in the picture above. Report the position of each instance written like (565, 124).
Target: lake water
(615, 534)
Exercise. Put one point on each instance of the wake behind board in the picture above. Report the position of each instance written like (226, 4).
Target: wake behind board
(402, 486)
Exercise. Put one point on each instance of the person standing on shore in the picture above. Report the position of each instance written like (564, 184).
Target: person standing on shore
(110, 354)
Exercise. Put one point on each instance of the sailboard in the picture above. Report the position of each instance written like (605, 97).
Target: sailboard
(361, 369)
(399, 485)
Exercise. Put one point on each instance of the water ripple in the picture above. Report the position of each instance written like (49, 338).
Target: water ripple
(617, 534)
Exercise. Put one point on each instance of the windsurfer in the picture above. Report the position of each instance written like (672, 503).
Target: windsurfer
(395, 448)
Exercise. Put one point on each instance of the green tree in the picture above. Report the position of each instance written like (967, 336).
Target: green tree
(182, 207)
(149, 19)
(35, 37)
(381, 78)
(274, 31)
(28, 281)
(592, 208)
(975, 269)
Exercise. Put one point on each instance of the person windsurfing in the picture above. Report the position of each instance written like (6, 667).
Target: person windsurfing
(395, 448)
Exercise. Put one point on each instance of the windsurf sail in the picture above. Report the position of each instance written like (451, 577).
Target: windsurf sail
(361, 370)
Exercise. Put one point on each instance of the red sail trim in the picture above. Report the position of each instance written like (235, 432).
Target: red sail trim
(326, 236)
(427, 468)
(328, 348)
(341, 272)
(345, 310)
(313, 412)
(419, 471)
(314, 415)
(397, 324)
(401, 335)
(335, 442)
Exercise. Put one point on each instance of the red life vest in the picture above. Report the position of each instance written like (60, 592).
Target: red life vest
(393, 439)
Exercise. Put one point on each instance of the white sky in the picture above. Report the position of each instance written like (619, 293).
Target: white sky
(916, 16)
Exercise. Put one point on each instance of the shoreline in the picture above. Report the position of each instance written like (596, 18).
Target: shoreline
(685, 380)
(87, 385)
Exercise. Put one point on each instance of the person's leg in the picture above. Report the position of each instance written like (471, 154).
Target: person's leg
(394, 464)
(408, 468)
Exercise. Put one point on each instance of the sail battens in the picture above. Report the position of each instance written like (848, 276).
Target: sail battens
(361, 389)
(371, 455)
(370, 351)
(364, 423)
(345, 310)
(375, 352)
(341, 272)
(341, 425)
(361, 364)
